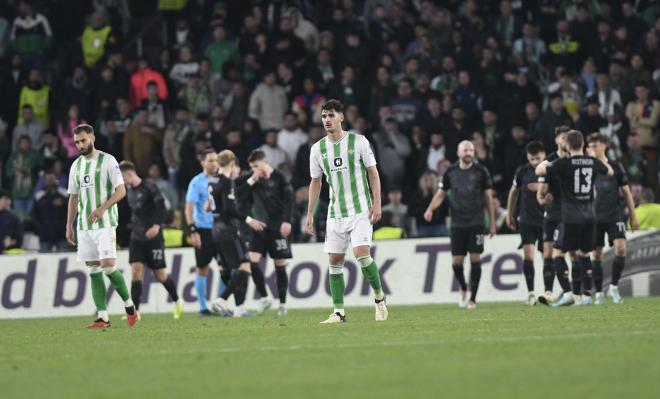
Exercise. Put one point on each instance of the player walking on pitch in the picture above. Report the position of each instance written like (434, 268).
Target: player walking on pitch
(530, 220)
(469, 183)
(610, 219)
(95, 187)
(349, 166)
(147, 247)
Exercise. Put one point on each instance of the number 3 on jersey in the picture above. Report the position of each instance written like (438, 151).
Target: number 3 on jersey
(582, 180)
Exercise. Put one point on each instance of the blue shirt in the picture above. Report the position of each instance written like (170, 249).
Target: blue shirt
(197, 194)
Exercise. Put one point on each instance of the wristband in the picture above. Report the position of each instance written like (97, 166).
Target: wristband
(247, 219)
(192, 229)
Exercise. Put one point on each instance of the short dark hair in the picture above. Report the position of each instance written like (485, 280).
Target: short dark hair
(597, 138)
(648, 196)
(27, 106)
(83, 128)
(256, 155)
(126, 166)
(534, 147)
(333, 105)
(5, 193)
(561, 129)
(575, 140)
(207, 152)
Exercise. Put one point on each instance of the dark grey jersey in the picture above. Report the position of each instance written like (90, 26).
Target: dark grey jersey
(465, 189)
(148, 208)
(525, 180)
(609, 202)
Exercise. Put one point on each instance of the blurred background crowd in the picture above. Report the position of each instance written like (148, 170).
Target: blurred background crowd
(161, 81)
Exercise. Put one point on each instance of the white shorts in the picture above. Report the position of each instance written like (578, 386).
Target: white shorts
(98, 244)
(356, 229)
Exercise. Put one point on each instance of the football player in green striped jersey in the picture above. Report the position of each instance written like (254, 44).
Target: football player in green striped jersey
(349, 166)
(95, 187)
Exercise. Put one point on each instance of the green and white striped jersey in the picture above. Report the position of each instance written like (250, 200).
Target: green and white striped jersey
(344, 164)
(94, 181)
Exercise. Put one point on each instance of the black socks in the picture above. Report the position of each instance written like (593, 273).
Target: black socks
(528, 271)
(561, 269)
(548, 274)
(258, 278)
(617, 268)
(171, 288)
(598, 275)
(282, 282)
(460, 276)
(136, 292)
(475, 277)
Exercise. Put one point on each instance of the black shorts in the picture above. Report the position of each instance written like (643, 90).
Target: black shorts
(466, 240)
(575, 236)
(531, 235)
(205, 254)
(549, 228)
(231, 249)
(614, 230)
(271, 242)
(151, 253)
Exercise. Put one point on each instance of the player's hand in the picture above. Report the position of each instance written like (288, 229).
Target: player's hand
(207, 206)
(96, 215)
(285, 229)
(256, 225)
(309, 225)
(634, 224)
(70, 237)
(428, 215)
(492, 229)
(548, 199)
(375, 214)
(153, 231)
(509, 222)
(196, 240)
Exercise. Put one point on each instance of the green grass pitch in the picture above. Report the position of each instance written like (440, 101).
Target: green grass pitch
(503, 350)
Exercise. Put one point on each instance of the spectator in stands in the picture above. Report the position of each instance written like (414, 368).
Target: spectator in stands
(456, 131)
(428, 185)
(301, 175)
(203, 132)
(309, 101)
(387, 229)
(608, 98)
(11, 228)
(235, 144)
(96, 37)
(142, 143)
(392, 148)
(122, 119)
(22, 169)
(348, 89)
(556, 115)
(291, 137)
(268, 103)
(221, 50)
(590, 120)
(648, 212)
(564, 49)
(29, 127)
(140, 80)
(31, 35)
(176, 133)
(398, 210)
(185, 67)
(275, 155)
(236, 103)
(156, 108)
(194, 95)
(37, 94)
(50, 212)
(65, 129)
(528, 49)
(78, 91)
(304, 30)
(11, 79)
(155, 176)
(436, 151)
(644, 114)
(406, 107)
(52, 150)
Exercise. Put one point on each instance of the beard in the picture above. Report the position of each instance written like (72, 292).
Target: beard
(87, 151)
(467, 159)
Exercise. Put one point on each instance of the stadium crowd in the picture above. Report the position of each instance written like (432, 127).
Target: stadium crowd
(416, 77)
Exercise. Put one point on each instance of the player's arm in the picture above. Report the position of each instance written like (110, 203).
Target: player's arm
(490, 203)
(159, 212)
(227, 206)
(72, 210)
(542, 168)
(436, 201)
(511, 205)
(312, 202)
(117, 195)
(630, 203)
(374, 184)
(289, 204)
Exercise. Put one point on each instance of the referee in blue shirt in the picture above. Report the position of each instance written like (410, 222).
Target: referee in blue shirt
(200, 223)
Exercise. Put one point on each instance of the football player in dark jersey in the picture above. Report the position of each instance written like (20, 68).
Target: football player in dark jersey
(147, 247)
(613, 195)
(575, 176)
(530, 218)
(471, 192)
